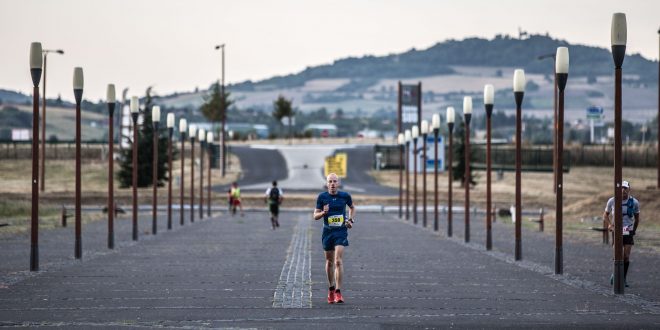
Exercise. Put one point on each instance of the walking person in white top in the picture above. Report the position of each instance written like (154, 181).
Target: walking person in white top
(631, 219)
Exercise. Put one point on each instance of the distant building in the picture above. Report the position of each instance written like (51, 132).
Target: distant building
(321, 130)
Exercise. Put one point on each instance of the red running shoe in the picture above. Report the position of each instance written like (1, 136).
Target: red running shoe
(331, 296)
(338, 298)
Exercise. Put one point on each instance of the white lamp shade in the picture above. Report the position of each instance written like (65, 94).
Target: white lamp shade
(415, 132)
(561, 60)
(425, 126)
(451, 114)
(467, 105)
(201, 134)
(435, 121)
(36, 61)
(192, 130)
(408, 135)
(489, 94)
(519, 80)
(135, 104)
(170, 120)
(110, 94)
(401, 139)
(78, 80)
(209, 137)
(619, 29)
(183, 125)
(155, 113)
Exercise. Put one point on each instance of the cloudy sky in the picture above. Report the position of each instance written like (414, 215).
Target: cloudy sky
(170, 43)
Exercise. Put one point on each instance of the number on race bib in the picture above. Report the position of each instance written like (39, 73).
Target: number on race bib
(336, 220)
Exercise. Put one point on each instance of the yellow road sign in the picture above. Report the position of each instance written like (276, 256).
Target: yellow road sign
(336, 164)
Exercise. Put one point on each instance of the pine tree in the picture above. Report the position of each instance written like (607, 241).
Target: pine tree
(145, 152)
(282, 108)
(216, 105)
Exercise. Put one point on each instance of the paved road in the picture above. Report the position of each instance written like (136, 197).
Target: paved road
(208, 275)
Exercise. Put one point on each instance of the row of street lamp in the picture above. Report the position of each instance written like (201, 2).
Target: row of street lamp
(205, 138)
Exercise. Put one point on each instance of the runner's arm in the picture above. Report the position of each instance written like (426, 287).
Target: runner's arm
(637, 220)
(318, 214)
(606, 217)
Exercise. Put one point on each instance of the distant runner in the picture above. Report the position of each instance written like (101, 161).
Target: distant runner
(235, 198)
(631, 219)
(331, 207)
(274, 197)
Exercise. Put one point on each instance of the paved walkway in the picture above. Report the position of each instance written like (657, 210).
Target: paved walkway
(237, 272)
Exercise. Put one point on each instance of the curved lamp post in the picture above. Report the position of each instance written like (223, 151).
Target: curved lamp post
(78, 83)
(467, 115)
(43, 118)
(619, 38)
(209, 143)
(435, 125)
(561, 76)
(425, 132)
(111, 99)
(192, 132)
(519, 93)
(489, 98)
(35, 72)
(135, 112)
(415, 136)
(201, 136)
(408, 137)
(401, 140)
(183, 128)
(451, 114)
(155, 120)
(170, 131)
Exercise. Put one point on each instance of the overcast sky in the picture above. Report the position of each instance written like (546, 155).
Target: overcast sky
(170, 43)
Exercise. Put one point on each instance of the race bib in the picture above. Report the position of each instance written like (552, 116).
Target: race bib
(336, 220)
(626, 230)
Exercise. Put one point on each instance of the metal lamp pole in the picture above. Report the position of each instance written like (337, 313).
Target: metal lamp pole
(155, 120)
(183, 128)
(489, 98)
(401, 140)
(111, 99)
(43, 120)
(35, 72)
(78, 82)
(467, 115)
(435, 124)
(415, 136)
(224, 115)
(408, 137)
(658, 118)
(450, 124)
(135, 112)
(425, 132)
(619, 38)
(170, 131)
(209, 143)
(561, 77)
(201, 136)
(519, 93)
(192, 131)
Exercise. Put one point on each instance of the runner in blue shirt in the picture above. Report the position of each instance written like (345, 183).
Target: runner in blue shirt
(331, 207)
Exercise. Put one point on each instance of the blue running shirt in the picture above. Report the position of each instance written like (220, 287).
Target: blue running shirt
(336, 218)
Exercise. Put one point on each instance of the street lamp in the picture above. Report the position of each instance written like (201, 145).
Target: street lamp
(450, 124)
(223, 115)
(401, 140)
(554, 145)
(111, 99)
(519, 93)
(489, 98)
(135, 112)
(43, 119)
(467, 115)
(209, 143)
(183, 128)
(35, 72)
(170, 131)
(425, 132)
(415, 136)
(192, 131)
(435, 124)
(658, 118)
(408, 137)
(619, 38)
(561, 76)
(78, 82)
(201, 136)
(155, 120)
